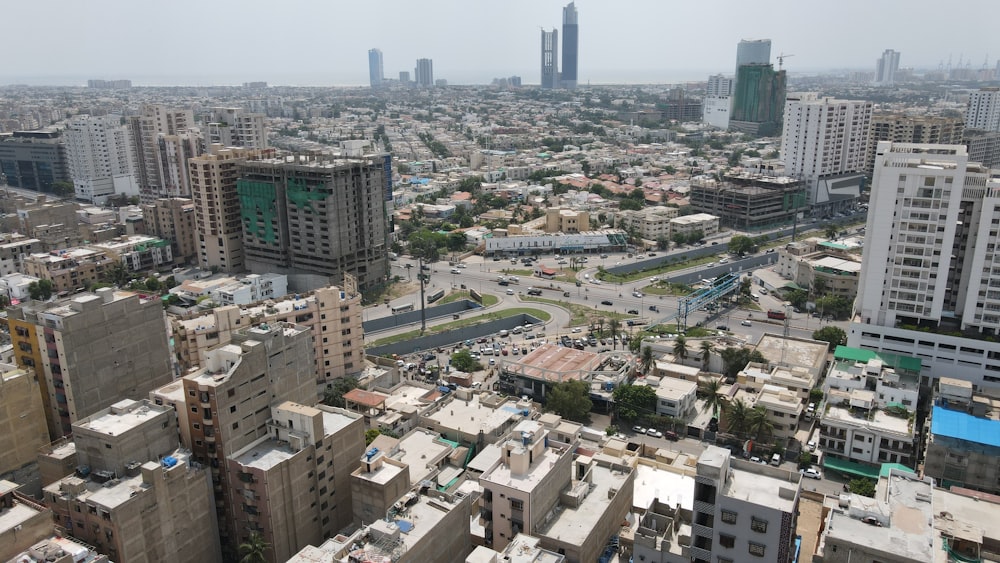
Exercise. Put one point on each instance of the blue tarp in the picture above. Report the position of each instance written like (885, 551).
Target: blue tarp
(962, 426)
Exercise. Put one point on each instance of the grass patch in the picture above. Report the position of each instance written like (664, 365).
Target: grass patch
(517, 272)
(579, 314)
(670, 266)
(661, 288)
(461, 323)
(488, 299)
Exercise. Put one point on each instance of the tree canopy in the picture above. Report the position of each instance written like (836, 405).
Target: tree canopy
(832, 334)
(634, 401)
(463, 361)
(570, 400)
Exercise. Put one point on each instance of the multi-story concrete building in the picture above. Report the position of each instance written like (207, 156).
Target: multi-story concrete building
(217, 206)
(742, 511)
(715, 111)
(22, 418)
(33, 160)
(984, 109)
(423, 74)
(173, 219)
(814, 263)
(532, 244)
(69, 269)
(749, 201)
(757, 100)
(962, 447)
(886, 68)
(752, 52)
(687, 225)
(316, 221)
(162, 144)
(652, 223)
(983, 146)
(675, 397)
(904, 128)
(293, 485)
(28, 535)
(135, 495)
(101, 160)
(926, 285)
(235, 127)
(14, 250)
(550, 59)
(559, 220)
(138, 253)
(54, 223)
(824, 142)
(229, 400)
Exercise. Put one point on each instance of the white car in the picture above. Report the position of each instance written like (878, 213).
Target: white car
(513, 279)
(461, 265)
(510, 292)
(654, 279)
(577, 329)
(746, 323)
(456, 271)
(811, 473)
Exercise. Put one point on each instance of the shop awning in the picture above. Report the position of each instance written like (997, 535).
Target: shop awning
(850, 467)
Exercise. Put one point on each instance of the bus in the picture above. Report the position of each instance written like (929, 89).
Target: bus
(435, 296)
(402, 308)
(775, 314)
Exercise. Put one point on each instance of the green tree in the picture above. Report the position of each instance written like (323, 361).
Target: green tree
(735, 359)
(118, 274)
(679, 238)
(706, 353)
(152, 283)
(830, 230)
(832, 334)
(629, 204)
(662, 242)
(646, 360)
(711, 393)
(797, 297)
(758, 423)
(40, 290)
(819, 287)
(634, 401)
(63, 189)
(862, 486)
(463, 361)
(805, 459)
(680, 348)
(741, 244)
(254, 549)
(334, 394)
(571, 400)
(456, 241)
(615, 328)
(816, 395)
(737, 416)
(371, 434)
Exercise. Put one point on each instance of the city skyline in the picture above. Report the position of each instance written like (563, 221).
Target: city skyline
(184, 54)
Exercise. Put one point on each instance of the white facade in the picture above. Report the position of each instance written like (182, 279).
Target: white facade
(984, 110)
(886, 67)
(556, 242)
(715, 111)
(719, 85)
(100, 158)
(252, 289)
(675, 397)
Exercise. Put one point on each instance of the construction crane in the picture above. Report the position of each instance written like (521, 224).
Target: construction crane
(781, 60)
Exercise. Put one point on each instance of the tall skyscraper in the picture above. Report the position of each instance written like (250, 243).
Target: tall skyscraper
(824, 142)
(758, 100)
(752, 52)
(570, 47)
(162, 144)
(550, 59)
(375, 69)
(886, 67)
(984, 110)
(928, 280)
(424, 73)
(101, 160)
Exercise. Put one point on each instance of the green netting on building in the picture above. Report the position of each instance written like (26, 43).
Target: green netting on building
(895, 361)
(258, 197)
(158, 243)
(298, 194)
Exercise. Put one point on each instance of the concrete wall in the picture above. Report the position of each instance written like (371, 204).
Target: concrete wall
(22, 419)
(413, 316)
(452, 336)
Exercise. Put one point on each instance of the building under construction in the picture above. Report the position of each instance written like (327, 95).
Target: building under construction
(750, 200)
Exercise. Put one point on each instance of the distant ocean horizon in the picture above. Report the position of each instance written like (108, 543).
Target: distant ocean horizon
(354, 79)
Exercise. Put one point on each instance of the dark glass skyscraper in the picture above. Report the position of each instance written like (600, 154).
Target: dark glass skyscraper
(570, 46)
(375, 71)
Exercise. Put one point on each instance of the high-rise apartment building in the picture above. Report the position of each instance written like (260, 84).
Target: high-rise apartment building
(423, 74)
(824, 142)
(928, 285)
(718, 101)
(235, 127)
(22, 417)
(886, 67)
(753, 52)
(294, 484)
(34, 160)
(135, 495)
(173, 219)
(719, 85)
(570, 47)
(984, 109)
(163, 139)
(217, 206)
(376, 72)
(229, 400)
(901, 128)
(550, 59)
(758, 100)
(101, 160)
(316, 220)
(92, 350)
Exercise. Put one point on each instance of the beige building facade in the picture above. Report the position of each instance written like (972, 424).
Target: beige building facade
(22, 418)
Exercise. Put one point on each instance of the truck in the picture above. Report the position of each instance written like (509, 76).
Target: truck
(776, 314)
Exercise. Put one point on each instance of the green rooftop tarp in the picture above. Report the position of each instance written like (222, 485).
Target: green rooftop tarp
(895, 361)
(850, 467)
(887, 467)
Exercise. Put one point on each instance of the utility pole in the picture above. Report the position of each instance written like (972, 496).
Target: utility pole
(422, 278)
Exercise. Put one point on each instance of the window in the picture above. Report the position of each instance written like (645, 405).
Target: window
(728, 517)
(757, 549)
(725, 540)
(758, 525)
(516, 504)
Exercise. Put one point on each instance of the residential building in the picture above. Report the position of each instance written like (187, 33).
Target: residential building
(815, 263)
(707, 225)
(173, 219)
(742, 511)
(926, 286)
(377, 484)
(550, 59)
(652, 223)
(904, 128)
(138, 253)
(69, 269)
(162, 144)
(135, 495)
(229, 400)
(235, 127)
(560, 220)
(984, 109)
(293, 484)
(27, 534)
(17, 287)
(758, 100)
(675, 397)
(824, 142)
(570, 47)
(101, 160)
(100, 348)
(886, 68)
(478, 419)
(217, 206)
(13, 252)
(54, 223)
(962, 447)
(22, 418)
(376, 73)
(983, 146)
(716, 109)
(317, 221)
(404, 77)
(423, 74)
(719, 85)
(749, 200)
(34, 160)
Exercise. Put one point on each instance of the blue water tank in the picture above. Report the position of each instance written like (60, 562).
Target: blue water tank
(169, 462)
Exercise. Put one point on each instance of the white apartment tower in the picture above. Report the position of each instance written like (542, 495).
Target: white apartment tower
(101, 161)
(984, 110)
(824, 142)
(235, 127)
(162, 141)
(929, 285)
(886, 67)
(718, 101)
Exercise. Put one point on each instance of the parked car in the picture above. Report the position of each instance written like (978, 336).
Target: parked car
(722, 327)
(606, 302)
(654, 433)
(632, 311)
(746, 323)
(671, 435)
(776, 459)
(811, 473)
(638, 429)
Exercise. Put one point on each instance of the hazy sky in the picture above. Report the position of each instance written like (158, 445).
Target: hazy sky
(325, 42)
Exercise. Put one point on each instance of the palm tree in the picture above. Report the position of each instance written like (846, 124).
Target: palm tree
(737, 417)
(646, 359)
(758, 423)
(615, 327)
(706, 353)
(680, 348)
(252, 551)
(830, 231)
(600, 326)
(711, 392)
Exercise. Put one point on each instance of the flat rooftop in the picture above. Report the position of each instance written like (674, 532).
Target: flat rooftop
(132, 415)
(761, 489)
(880, 421)
(574, 525)
(472, 416)
(810, 354)
(550, 362)
(963, 426)
(526, 482)
(670, 487)
(112, 496)
(264, 454)
(421, 451)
